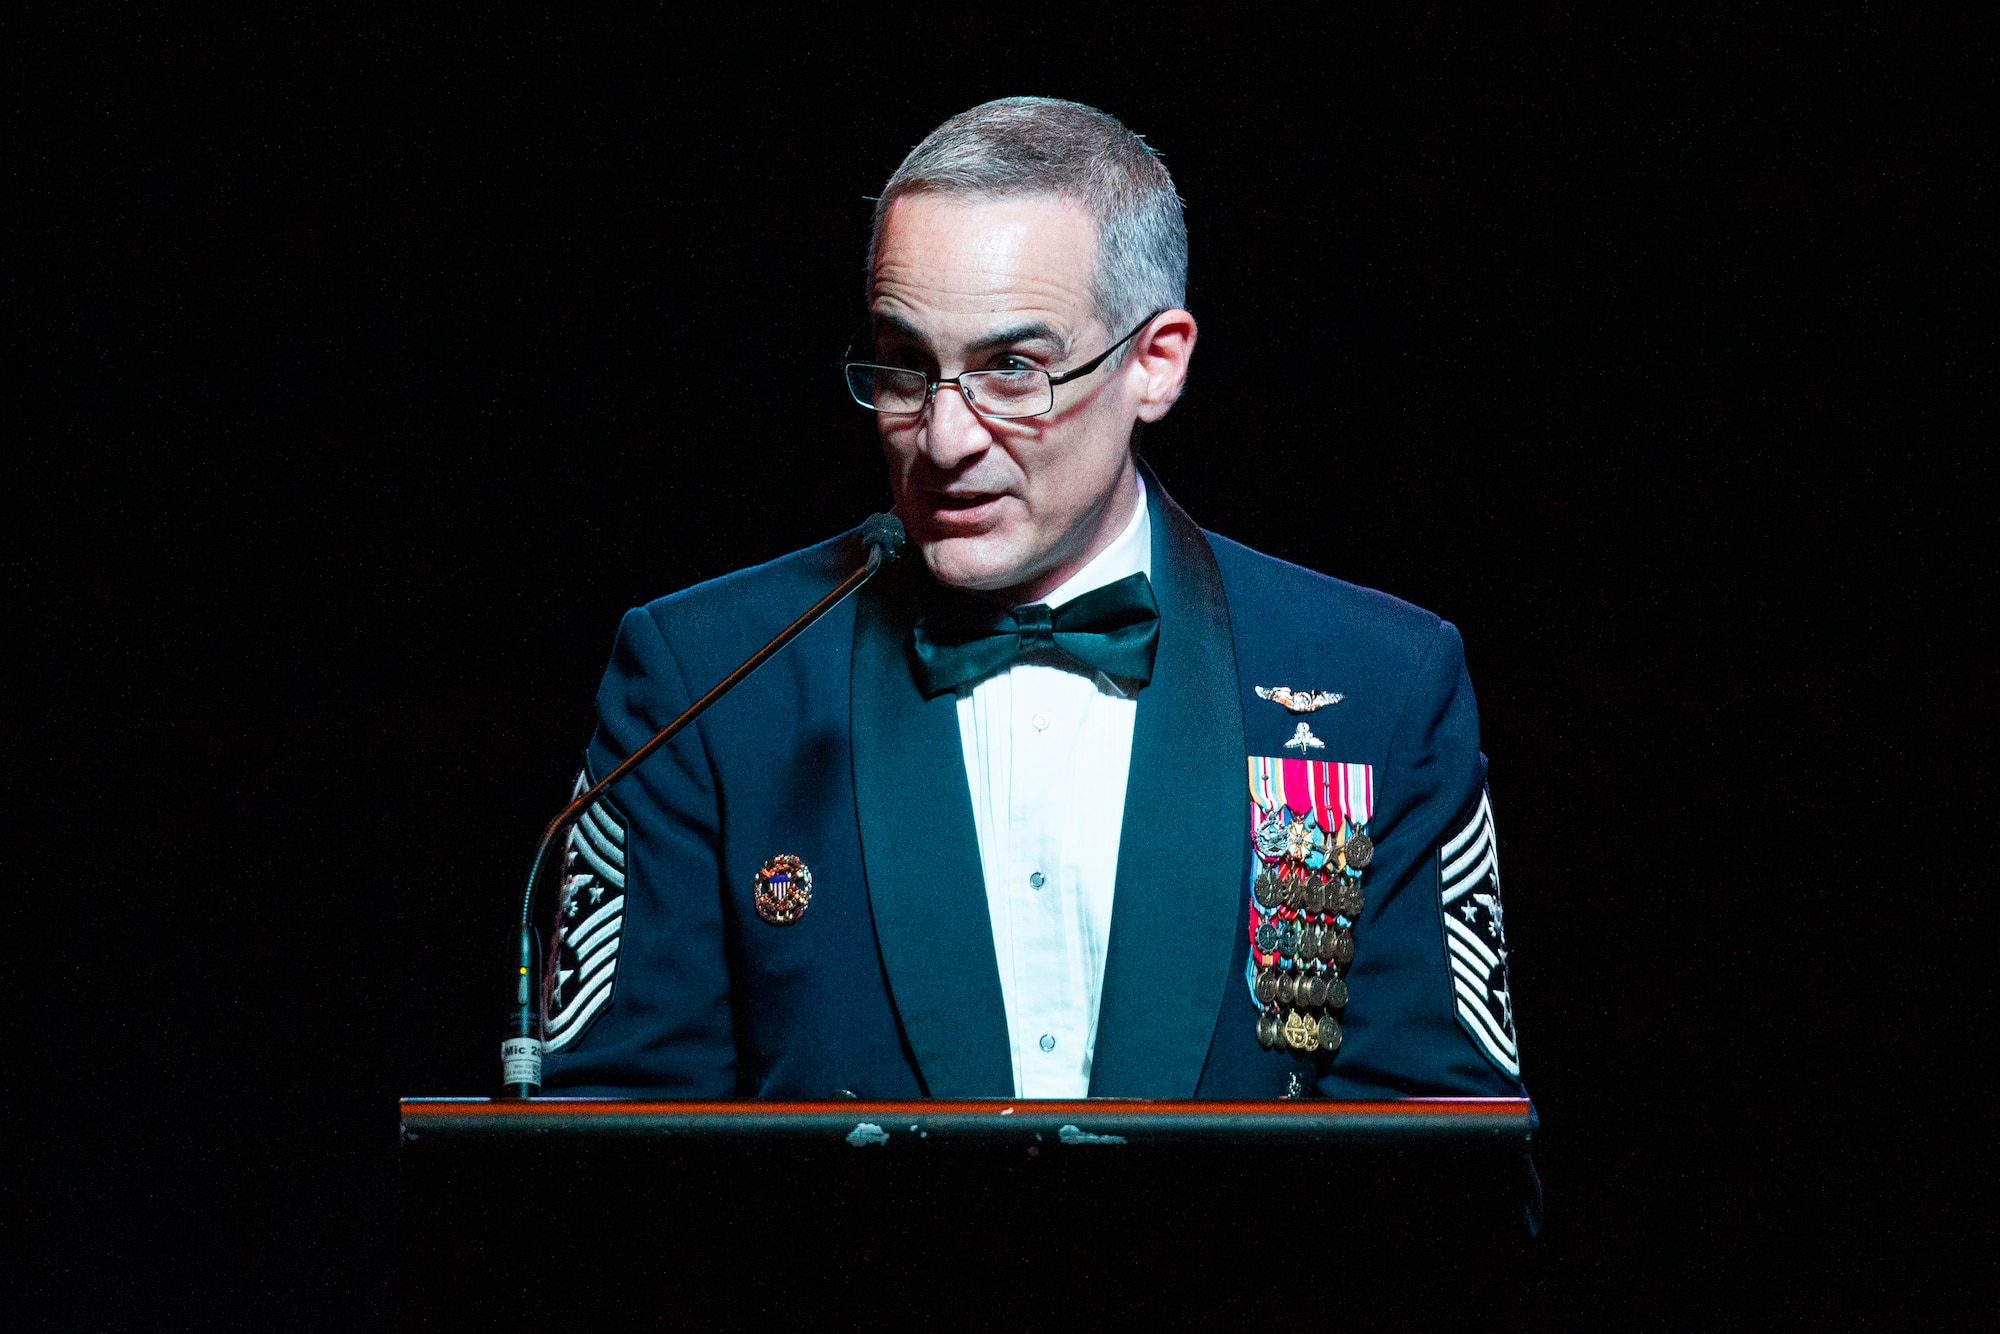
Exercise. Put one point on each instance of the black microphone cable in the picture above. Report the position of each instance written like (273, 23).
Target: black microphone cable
(521, 1046)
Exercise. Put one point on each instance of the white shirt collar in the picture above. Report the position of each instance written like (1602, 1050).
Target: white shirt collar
(1131, 552)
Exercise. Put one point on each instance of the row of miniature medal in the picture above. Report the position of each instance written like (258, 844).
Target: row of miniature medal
(1308, 896)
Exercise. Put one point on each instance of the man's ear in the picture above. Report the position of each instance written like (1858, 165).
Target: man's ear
(1162, 352)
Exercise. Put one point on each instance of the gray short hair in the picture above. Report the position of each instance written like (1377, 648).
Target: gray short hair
(1038, 145)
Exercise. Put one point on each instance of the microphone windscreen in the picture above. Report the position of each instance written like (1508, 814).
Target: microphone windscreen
(884, 531)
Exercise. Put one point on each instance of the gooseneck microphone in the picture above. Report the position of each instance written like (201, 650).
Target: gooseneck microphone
(521, 1046)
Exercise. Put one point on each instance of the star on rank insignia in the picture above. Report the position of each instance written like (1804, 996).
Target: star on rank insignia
(1299, 701)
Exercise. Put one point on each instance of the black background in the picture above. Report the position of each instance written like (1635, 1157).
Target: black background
(373, 367)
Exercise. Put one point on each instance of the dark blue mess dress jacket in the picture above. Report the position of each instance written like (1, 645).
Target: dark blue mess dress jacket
(665, 981)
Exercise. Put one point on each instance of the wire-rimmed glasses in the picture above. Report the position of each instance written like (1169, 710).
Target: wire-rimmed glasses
(898, 391)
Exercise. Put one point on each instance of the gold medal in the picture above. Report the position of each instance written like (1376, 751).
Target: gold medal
(1296, 1028)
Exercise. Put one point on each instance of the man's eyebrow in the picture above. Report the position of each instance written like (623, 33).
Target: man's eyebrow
(880, 324)
(1034, 332)
(1021, 333)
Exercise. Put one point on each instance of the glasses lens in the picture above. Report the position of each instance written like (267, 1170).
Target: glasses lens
(1009, 393)
(885, 388)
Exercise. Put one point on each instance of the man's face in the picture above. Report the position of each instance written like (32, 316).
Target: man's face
(1018, 505)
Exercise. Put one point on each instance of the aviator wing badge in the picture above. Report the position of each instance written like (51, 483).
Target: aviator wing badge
(1299, 701)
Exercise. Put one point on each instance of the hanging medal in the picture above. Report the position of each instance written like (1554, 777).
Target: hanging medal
(1308, 824)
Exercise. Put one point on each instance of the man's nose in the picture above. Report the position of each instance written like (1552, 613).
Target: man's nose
(955, 432)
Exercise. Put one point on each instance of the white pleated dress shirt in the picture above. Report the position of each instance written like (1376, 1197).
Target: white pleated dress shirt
(1046, 757)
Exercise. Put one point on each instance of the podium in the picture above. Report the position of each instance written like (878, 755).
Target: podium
(959, 1215)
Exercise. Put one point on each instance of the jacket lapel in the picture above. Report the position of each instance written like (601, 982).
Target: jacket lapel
(920, 852)
(1182, 876)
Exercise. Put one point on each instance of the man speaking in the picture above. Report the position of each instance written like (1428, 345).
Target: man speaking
(1088, 801)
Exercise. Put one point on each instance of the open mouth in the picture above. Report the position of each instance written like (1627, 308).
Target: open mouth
(961, 513)
(969, 500)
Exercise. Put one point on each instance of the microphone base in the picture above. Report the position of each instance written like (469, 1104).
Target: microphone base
(521, 1064)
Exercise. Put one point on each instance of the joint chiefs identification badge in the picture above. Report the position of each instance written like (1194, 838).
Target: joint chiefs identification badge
(1475, 934)
(784, 888)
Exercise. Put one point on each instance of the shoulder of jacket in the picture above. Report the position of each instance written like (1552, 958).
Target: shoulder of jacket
(1266, 591)
(776, 591)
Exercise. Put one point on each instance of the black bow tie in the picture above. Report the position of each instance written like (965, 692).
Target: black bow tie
(1114, 630)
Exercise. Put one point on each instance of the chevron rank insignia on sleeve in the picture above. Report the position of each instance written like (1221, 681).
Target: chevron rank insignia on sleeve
(583, 947)
(1475, 934)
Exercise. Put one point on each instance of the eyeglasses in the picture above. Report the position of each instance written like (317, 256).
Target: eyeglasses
(898, 391)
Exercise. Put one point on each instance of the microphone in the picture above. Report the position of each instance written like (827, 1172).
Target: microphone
(521, 1045)
(883, 533)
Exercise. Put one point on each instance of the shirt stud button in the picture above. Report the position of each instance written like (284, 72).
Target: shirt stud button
(1038, 880)
(1048, 1043)
(1041, 721)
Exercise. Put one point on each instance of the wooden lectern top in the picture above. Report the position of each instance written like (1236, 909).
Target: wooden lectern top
(982, 1121)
